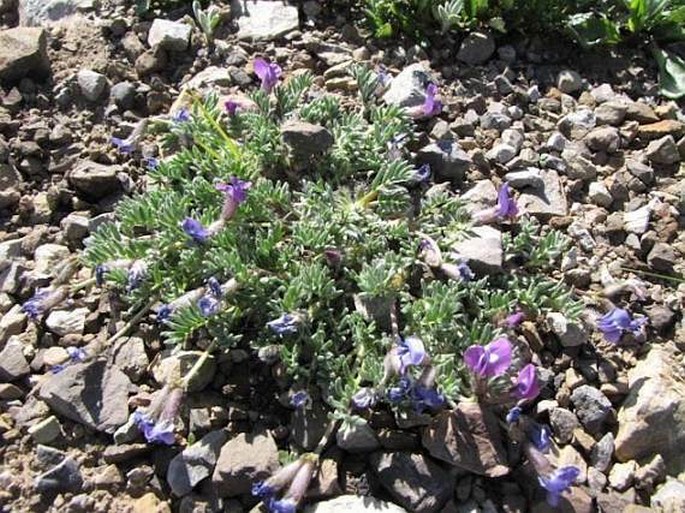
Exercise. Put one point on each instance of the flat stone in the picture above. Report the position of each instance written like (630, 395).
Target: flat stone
(173, 366)
(42, 13)
(23, 53)
(550, 201)
(129, 355)
(602, 452)
(529, 177)
(64, 477)
(354, 504)
(563, 423)
(48, 256)
(306, 140)
(413, 480)
(13, 364)
(46, 431)
(652, 417)
(263, 20)
(173, 36)
(469, 438)
(611, 113)
(125, 452)
(408, 88)
(12, 322)
(662, 257)
(640, 112)
(641, 171)
(591, 407)
(357, 438)
(577, 124)
(569, 333)
(569, 81)
(660, 129)
(670, 497)
(483, 252)
(91, 83)
(195, 463)
(242, 461)
(637, 221)
(622, 475)
(476, 48)
(308, 426)
(501, 153)
(67, 322)
(663, 151)
(446, 160)
(599, 194)
(90, 393)
(606, 138)
(94, 181)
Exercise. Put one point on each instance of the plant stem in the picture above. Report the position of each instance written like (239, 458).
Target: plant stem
(655, 275)
(330, 429)
(198, 365)
(87, 283)
(233, 147)
(132, 322)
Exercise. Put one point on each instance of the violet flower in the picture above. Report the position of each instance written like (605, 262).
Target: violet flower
(506, 205)
(541, 437)
(181, 116)
(398, 393)
(364, 398)
(208, 305)
(76, 355)
(300, 399)
(159, 428)
(286, 324)
(231, 107)
(490, 360)
(513, 415)
(458, 272)
(235, 193)
(513, 320)
(44, 300)
(195, 230)
(426, 398)
(151, 163)
(617, 322)
(274, 484)
(164, 313)
(268, 73)
(100, 271)
(136, 275)
(125, 146)
(422, 174)
(298, 487)
(527, 385)
(214, 287)
(410, 351)
(431, 105)
(558, 482)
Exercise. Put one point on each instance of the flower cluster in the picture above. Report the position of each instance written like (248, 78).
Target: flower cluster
(617, 322)
(296, 476)
(457, 270)
(76, 355)
(206, 298)
(506, 208)
(157, 423)
(44, 300)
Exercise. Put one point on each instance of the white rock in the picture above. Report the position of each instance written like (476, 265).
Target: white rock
(169, 35)
(501, 153)
(569, 81)
(637, 221)
(513, 138)
(599, 194)
(48, 255)
(483, 252)
(91, 83)
(66, 322)
(408, 89)
(354, 504)
(264, 21)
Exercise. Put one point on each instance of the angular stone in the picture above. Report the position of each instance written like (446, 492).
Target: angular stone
(602, 453)
(169, 35)
(46, 431)
(308, 426)
(547, 202)
(526, 178)
(622, 475)
(195, 463)
(660, 129)
(611, 113)
(483, 252)
(641, 171)
(640, 112)
(637, 221)
(652, 417)
(13, 364)
(66, 322)
(129, 355)
(670, 497)
(12, 323)
(663, 151)
(90, 393)
(91, 83)
(568, 332)
(408, 89)
(264, 21)
(357, 438)
(446, 160)
(662, 257)
(306, 140)
(173, 366)
(354, 504)
(591, 406)
(476, 48)
(413, 480)
(23, 53)
(48, 256)
(569, 81)
(42, 13)
(563, 423)
(64, 477)
(599, 194)
(605, 138)
(468, 437)
(94, 181)
(242, 461)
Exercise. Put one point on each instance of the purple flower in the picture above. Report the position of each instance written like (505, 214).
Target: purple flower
(541, 437)
(231, 107)
(76, 354)
(154, 432)
(151, 163)
(558, 482)
(527, 386)
(410, 351)
(214, 287)
(181, 116)
(514, 319)
(282, 506)
(384, 78)
(506, 205)
(160, 428)
(618, 321)
(513, 415)
(164, 313)
(235, 193)
(300, 399)
(424, 397)
(136, 275)
(43, 300)
(208, 305)
(195, 230)
(286, 324)
(100, 271)
(268, 488)
(364, 398)
(490, 360)
(398, 393)
(125, 146)
(431, 105)
(268, 73)
(423, 174)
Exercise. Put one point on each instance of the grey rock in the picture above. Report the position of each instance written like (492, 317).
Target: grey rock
(94, 181)
(577, 124)
(482, 194)
(662, 257)
(123, 94)
(91, 83)
(23, 53)
(622, 475)
(408, 89)
(48, 256)
(548, 201)
(526, 178)
(357, 438)
(150, 62)
(64, 477)
(124, 452)
(354, 503)
(129, 355)
(308, 426)
(242, 461)
(578, 167)
(13, 364)
(91, 393)
(611, 113)
(661, 318)
(670, 497)
(11, 276)
(568, 332)
(195, 463)
(640, 112)
(413, 480)
(563, 423)
(602, 93)
(306, 140)
(602, 452)
(40, 13)
(501, 153)
(173, 366)
(556, 142)
(446, 159)
(46, 431)
(75, 228)
(497, 120)
(210, 78)
(569, 81)
(637, 221)
(483, 251)
(513, 138)
(12, 323)
(663, 151)
(66, 322)
(605, 138)
(264, 21)
(173, 36)
(599, 194)
(476, 48)
(641, 171)
(592, 407)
